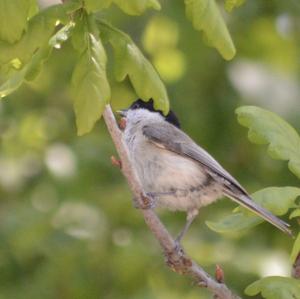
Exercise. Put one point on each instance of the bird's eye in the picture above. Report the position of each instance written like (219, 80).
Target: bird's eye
(135, 106)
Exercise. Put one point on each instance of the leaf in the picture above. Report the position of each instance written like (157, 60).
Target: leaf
(277, 200)
(234, 223)
(28, 72)
(267, 127)
(95, 5)
(33, 68)
(33, 9)
(295, 213)
(61, 35)
(275, 287)
(129, 61)
(206, 17)
(40, 29)
(80, 34)
(13, 19)
(231, 4)
(296, 249)
(90, 85)
(132, 7)
(137, 7)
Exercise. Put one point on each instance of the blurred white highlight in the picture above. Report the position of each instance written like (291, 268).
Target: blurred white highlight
(61, 161)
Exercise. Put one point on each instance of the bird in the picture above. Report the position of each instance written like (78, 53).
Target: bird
(177, 173)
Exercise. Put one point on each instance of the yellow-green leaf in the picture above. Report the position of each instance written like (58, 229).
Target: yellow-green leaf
(266, 127)
(33, 9)
(275, 287)
(91, 89)
(205, 16)
(296, 249)
(95, 5)
(231, 4)
(40, 29)
(13, 19)
(277, 200)
(129, 61)
(61, 35)
(295, 213)
(28, 72)
(137, 7)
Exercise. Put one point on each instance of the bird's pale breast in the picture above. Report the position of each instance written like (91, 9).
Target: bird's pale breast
(176, 182)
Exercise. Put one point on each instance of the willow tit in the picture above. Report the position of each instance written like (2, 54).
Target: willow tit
(176, 172)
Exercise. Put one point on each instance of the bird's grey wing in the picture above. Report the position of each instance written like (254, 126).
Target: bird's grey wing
(175, 140)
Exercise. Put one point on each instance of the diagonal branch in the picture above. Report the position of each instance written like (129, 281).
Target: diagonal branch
(178, 262)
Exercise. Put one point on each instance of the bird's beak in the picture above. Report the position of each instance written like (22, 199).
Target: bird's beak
(123, 112)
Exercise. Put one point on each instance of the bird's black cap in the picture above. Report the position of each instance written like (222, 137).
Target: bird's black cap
(149, 105)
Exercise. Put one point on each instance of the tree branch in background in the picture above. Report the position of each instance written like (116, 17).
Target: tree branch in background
(177, 261)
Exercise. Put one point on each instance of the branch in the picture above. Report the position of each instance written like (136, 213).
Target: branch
(178, 262)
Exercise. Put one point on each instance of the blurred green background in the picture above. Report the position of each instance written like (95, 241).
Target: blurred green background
(68, 228)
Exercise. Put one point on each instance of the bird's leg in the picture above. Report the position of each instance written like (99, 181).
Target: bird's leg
(191, 215)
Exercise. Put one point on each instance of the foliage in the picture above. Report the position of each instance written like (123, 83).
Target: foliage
(67, 227)
(205, 15)
(90, 84)
(266, 127)
(278, 200)
(275, 288)
(231, 4)
(296, 249)
(90, 96)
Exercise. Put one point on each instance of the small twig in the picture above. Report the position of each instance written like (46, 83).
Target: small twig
(219, 274)
(115, 162)
(178, 262)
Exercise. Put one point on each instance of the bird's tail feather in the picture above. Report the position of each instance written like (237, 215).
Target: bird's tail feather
(251, 205)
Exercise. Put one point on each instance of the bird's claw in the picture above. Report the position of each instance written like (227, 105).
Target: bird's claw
(178, 248)
(148, 201)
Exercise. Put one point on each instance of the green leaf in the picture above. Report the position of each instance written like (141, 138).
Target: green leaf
(80, 36)
(295, 213)
(277, 200)
(267, 127)
(137, 7)
(90, 85)
(28, 72)
(33, 68)
(95, 5)
(296, 249)
(275, 287)
(40, 29)
(235, 223)
(13, 19)
(231, 4)
(61, 35)
(129, 61)
(206, 17)
(33, 9)
(132, 7)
